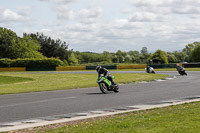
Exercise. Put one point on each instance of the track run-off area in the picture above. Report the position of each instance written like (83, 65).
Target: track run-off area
(38, 105)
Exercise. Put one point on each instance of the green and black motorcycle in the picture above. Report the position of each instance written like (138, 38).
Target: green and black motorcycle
(105, 85)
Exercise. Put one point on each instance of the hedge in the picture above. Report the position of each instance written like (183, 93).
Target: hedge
(68, 68)
(133, 66)
(191, 65)
(104, 66)
(5, 62)
(30, 62)
(163, 65)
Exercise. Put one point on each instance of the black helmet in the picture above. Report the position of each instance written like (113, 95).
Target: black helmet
(98, 68)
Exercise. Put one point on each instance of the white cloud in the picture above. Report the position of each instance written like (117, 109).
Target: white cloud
(145, 16)
(185, 9)
(60, 1)
(6, 15)
(168, 6)
(146, 3)
(90, 15)
(64, 13)
(126, 10)
(80, 27)
(24, 11)
(150, 23)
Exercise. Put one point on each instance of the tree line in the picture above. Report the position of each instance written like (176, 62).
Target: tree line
(37, 45)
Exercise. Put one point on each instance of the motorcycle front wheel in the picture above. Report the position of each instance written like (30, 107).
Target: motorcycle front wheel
(103, 88)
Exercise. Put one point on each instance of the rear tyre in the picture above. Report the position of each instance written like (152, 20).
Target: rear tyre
(103, 88)
(116, 89)
(185, 73)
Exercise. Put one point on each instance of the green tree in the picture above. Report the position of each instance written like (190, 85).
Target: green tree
(144, 50)
(144, 55)
(107, 57)
(128, 59)
(181, 56)
(12, 46)
(27, 48)
(135, 56)
(51, 47)
(72, 59)
(121, 56)
(161, 55)
(7, 39)
(115, 59)
(188, 50)
(89, 57)
(171, 57)
(195, 54)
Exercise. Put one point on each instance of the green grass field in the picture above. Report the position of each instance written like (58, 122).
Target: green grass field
(31, 82)
(183, 118)
(12, 80)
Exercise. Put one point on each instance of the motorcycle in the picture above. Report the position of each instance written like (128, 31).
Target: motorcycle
(105, 85)
(150, 70)
(182, 72)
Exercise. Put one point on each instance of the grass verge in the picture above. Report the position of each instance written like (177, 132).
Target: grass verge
(11, 80)
(183, 118)
(62, 81)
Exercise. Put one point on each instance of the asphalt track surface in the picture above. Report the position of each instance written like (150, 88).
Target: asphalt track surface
(17, 107)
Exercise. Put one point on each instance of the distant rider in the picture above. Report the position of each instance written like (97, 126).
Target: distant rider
(148, 69)
(105, 72)
(179, 68)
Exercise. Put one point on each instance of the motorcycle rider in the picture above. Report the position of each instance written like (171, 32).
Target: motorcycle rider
(148, 69)
(100, 70)
(180, 69)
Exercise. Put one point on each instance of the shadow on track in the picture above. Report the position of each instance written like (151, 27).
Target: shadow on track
(98, 93)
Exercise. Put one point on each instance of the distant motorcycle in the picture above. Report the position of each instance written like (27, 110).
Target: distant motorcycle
(149, 69)
(105, 85)
(181, 71)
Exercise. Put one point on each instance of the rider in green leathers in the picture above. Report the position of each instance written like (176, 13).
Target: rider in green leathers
(105, 72)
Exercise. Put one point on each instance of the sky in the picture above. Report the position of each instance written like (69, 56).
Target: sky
(107, 25)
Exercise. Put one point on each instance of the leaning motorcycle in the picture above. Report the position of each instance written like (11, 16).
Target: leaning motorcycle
(105, 85)
(150, 70)
(182, 72)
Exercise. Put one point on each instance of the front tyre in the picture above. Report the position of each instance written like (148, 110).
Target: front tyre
(103, 88)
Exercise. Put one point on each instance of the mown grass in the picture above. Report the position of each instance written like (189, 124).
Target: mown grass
(11, 80)
(174, 119)
(62, 81)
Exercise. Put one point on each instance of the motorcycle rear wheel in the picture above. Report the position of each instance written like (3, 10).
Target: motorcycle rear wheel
(116, 89)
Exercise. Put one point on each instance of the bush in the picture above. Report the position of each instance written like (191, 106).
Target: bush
(5, 62)
(31, 62)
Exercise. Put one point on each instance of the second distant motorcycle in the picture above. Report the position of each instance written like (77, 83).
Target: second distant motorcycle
(149, 69)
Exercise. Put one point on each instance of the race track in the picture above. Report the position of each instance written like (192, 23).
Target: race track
(17, 107)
